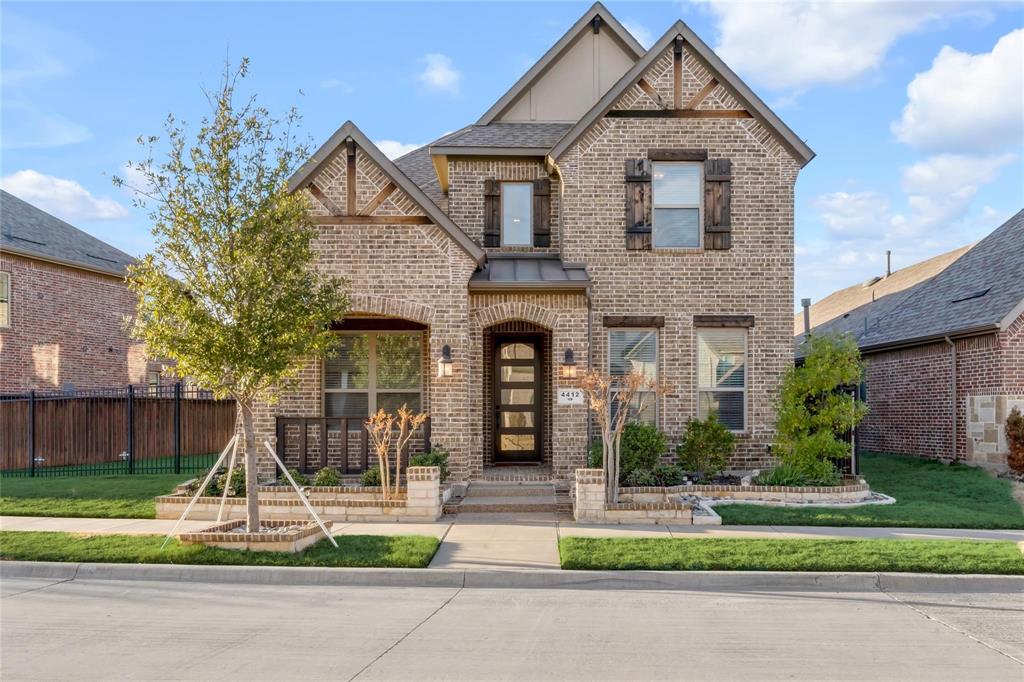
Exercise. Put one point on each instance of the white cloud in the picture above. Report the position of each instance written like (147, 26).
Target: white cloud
(63, 198)
(952, 172)
(26, 127)
(797, 45)
(642, 34)
(967, 101)
(439, 73)
(853, 214)
(393, 149)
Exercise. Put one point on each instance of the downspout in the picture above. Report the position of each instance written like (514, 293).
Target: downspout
(952, 383)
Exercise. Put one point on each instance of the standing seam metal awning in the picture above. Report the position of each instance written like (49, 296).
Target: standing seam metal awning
(538, 272)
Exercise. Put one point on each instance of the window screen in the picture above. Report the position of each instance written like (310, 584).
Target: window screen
(367, 372)
(722, 375)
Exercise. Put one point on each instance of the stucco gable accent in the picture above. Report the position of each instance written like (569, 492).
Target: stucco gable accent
(551, 58)
(715, 66)
(324, 159)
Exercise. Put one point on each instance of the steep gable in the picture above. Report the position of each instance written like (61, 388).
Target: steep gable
(573, 75)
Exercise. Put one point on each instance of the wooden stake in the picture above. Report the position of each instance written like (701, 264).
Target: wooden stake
(202, 488)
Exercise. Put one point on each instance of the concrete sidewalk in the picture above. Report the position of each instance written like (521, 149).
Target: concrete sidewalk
(516, 541)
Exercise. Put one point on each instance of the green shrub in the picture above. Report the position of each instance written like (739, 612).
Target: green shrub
(326, 477)
(595, 455)
(300, 478)
(814, 413)
(669, 474)
(370, 478)
(819, 473)
(437, 457)
(638, 478)
(706, 447)
(642, 447)
(219, 480)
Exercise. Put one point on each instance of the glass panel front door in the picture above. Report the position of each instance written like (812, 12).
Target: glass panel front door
(517, 399)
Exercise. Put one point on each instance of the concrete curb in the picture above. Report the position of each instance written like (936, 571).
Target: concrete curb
(517, 579)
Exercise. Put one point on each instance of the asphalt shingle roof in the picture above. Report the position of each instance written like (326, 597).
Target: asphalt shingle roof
(31, 231)
(979, 289)
(507, 135)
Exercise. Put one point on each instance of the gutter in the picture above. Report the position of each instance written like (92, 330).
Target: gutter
(61, 261)
(977, 330)
(952, 384)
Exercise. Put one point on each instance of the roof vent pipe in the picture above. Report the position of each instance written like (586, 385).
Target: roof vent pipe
(806, 303)
(888, 262)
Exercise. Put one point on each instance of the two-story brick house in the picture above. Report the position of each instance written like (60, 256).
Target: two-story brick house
(618, 208)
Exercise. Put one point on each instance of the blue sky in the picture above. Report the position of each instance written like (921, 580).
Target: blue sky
(916, 110)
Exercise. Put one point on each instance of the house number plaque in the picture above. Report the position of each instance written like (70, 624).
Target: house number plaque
(570, 396)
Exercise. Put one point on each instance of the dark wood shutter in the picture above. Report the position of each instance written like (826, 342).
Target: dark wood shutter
(717, 200)
(542, 212)
(492, 213)
(638, 204)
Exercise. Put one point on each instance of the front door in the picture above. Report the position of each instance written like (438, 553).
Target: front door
(518, 403)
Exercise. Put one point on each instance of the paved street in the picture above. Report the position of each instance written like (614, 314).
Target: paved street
(152, 630)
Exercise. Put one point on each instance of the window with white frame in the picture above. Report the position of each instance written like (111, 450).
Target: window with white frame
(676, 194)
(516, 214)
(5, 299)
(635, 350)
(722, 376)
(369, 371)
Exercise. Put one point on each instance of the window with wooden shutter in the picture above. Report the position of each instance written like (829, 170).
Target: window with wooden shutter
(717, 200)
(542, 212)
(638, 204)
(492, 213)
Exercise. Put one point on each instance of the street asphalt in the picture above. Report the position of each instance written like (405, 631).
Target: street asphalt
(115, 629)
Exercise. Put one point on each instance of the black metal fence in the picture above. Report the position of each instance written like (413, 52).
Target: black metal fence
(172, 428)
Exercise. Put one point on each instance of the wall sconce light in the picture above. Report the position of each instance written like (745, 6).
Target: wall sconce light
(444, 365)
(569, 365)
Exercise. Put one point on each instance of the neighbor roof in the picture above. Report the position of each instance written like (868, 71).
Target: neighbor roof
(32, 232)
(597, 10)
(855, 308)
(529, 138)
(327, 151)
(545, 272)
(722, 73)
(982, 290)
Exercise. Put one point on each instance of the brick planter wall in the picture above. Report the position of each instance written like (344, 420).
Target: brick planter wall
(589, 505)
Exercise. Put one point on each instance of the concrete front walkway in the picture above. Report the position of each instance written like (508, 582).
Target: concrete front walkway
(527, 541)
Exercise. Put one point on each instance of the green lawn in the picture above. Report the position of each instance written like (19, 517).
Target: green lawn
(398, 551)
(111, 497)
(724, 554)
(149, 465)
(928, 495)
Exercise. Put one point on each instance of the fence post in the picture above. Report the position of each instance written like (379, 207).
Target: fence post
(177, 427)
(32, 432)
(131, 429)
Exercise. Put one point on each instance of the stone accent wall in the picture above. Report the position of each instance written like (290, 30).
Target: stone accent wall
(466, 194)
(910, 400)
(986, 422)
(66, 329)
(414, 272)
(754, 277)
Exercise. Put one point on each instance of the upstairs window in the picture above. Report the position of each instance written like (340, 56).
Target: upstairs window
(516, 214)
(676, 191)
(722, 376)
(635, 350)
(5, 299)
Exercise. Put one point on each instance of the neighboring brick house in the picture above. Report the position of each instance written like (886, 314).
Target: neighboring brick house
(943, 346)
(617, 208)
(62, 303)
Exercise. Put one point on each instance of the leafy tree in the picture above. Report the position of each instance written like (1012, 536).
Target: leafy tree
(230, 292)
(813, 413)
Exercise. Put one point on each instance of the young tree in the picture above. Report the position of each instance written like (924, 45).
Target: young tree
(381, 428)
(613, 400)
(230, 292)
(813, 411)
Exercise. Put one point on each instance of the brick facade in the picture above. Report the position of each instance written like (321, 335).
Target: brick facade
(909, 393)
(66, 329)
(418, 272)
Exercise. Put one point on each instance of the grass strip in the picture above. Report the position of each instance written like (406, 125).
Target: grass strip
(377, 551)
(729, 554)
(107, 497)
(928, 494)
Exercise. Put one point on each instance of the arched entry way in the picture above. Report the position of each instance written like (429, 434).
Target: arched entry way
(517, 393)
